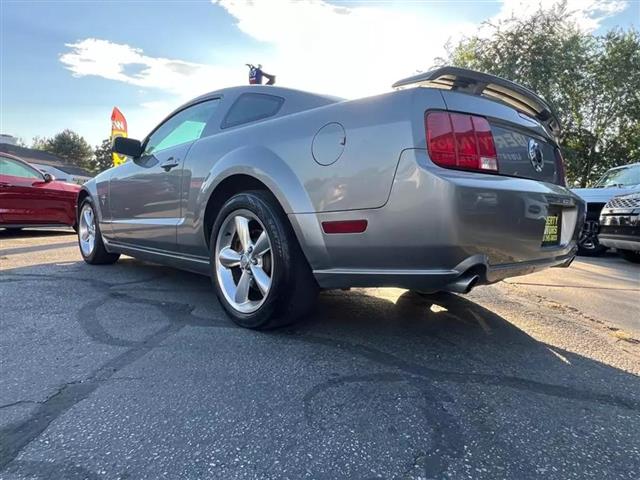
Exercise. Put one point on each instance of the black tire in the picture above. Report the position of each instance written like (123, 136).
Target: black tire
(630, 255)
(588, 243)
(293, 289)
(99, 255)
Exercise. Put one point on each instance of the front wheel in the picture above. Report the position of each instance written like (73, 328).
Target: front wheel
(588, 243)
(90, 241)
(260, 274)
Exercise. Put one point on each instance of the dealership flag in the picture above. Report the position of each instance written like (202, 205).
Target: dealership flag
(118, 129)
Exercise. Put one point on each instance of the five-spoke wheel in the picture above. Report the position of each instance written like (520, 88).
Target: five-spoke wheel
(259, 272)
(87, 229)
(244, 266)
(89, 237)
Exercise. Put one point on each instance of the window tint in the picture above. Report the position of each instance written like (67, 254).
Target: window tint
(17, 169)
(627, 177)
(250, 107)
(183, 127)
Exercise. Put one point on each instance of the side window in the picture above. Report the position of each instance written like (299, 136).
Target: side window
(17, 169)
(250, 107)
(185, 126)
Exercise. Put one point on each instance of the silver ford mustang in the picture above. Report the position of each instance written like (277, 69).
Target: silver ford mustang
(450, 181)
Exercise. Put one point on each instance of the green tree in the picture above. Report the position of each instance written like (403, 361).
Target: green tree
(591, 81)
(69, 146)
(103, 158)
(39, 143)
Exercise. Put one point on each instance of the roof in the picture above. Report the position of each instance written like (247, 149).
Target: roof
(271, 90)
(619, 167)
(70, 169)
(295, 100)
(32, 155)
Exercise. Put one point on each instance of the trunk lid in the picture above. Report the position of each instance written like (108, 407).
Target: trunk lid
(523, 146)
(523, 154)
(523, 126)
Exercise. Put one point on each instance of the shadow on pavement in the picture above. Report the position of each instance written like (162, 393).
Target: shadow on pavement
(27, 234)
(35, 232)
(480, 383)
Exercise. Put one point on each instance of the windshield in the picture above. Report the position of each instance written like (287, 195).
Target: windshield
(620, 177)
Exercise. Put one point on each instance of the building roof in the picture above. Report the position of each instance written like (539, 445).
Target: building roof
(31, 155)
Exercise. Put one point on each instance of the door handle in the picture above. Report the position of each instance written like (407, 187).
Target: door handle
(170, 163)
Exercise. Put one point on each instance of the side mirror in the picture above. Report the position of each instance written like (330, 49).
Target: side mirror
(127, 146)
(48, 177)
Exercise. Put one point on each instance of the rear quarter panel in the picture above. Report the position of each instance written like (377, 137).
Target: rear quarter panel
(377, 130)
(279, 153)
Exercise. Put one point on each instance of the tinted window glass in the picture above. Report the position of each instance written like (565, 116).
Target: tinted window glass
(185, 126)
(626, 177)
(17, 169)
(250, 107)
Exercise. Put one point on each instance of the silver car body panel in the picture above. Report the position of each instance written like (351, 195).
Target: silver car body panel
(426, 225)
(601, 195)
(465, 218)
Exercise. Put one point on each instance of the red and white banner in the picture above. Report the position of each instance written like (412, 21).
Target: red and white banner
(118, 129)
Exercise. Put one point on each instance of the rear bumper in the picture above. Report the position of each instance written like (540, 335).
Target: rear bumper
(434, 280)
(438, 225)
(621, 242)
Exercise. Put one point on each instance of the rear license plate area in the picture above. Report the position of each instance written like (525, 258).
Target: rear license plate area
(552, 225)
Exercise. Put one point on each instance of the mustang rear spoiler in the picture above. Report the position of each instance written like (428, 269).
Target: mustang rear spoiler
(483, 84)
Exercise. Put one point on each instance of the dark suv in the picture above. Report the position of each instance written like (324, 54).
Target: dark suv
(620, 225)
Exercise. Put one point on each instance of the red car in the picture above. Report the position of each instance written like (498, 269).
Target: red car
(30, 198)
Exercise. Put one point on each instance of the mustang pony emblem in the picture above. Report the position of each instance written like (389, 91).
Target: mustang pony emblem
(535, 155)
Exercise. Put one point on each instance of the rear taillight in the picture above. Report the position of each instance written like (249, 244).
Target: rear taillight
(456, 140)
(560, 173)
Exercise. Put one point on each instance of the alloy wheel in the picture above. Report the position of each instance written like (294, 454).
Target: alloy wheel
(87, 230)
(588, 238)
(244, 266)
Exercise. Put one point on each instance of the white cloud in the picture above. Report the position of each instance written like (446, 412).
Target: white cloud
(588, 14)
(361, 50)
(348, 51)
(128, 64)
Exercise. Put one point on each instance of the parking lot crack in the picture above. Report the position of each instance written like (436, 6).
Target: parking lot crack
(16, 436)
(516, 383)
(19, 402)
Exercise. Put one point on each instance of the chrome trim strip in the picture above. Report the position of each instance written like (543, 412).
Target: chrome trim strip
(147, 221)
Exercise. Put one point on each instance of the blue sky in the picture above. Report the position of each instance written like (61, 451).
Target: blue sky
(66, 64)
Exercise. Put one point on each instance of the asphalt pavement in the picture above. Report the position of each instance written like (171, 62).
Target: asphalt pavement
(603, 288)
(132, 371)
